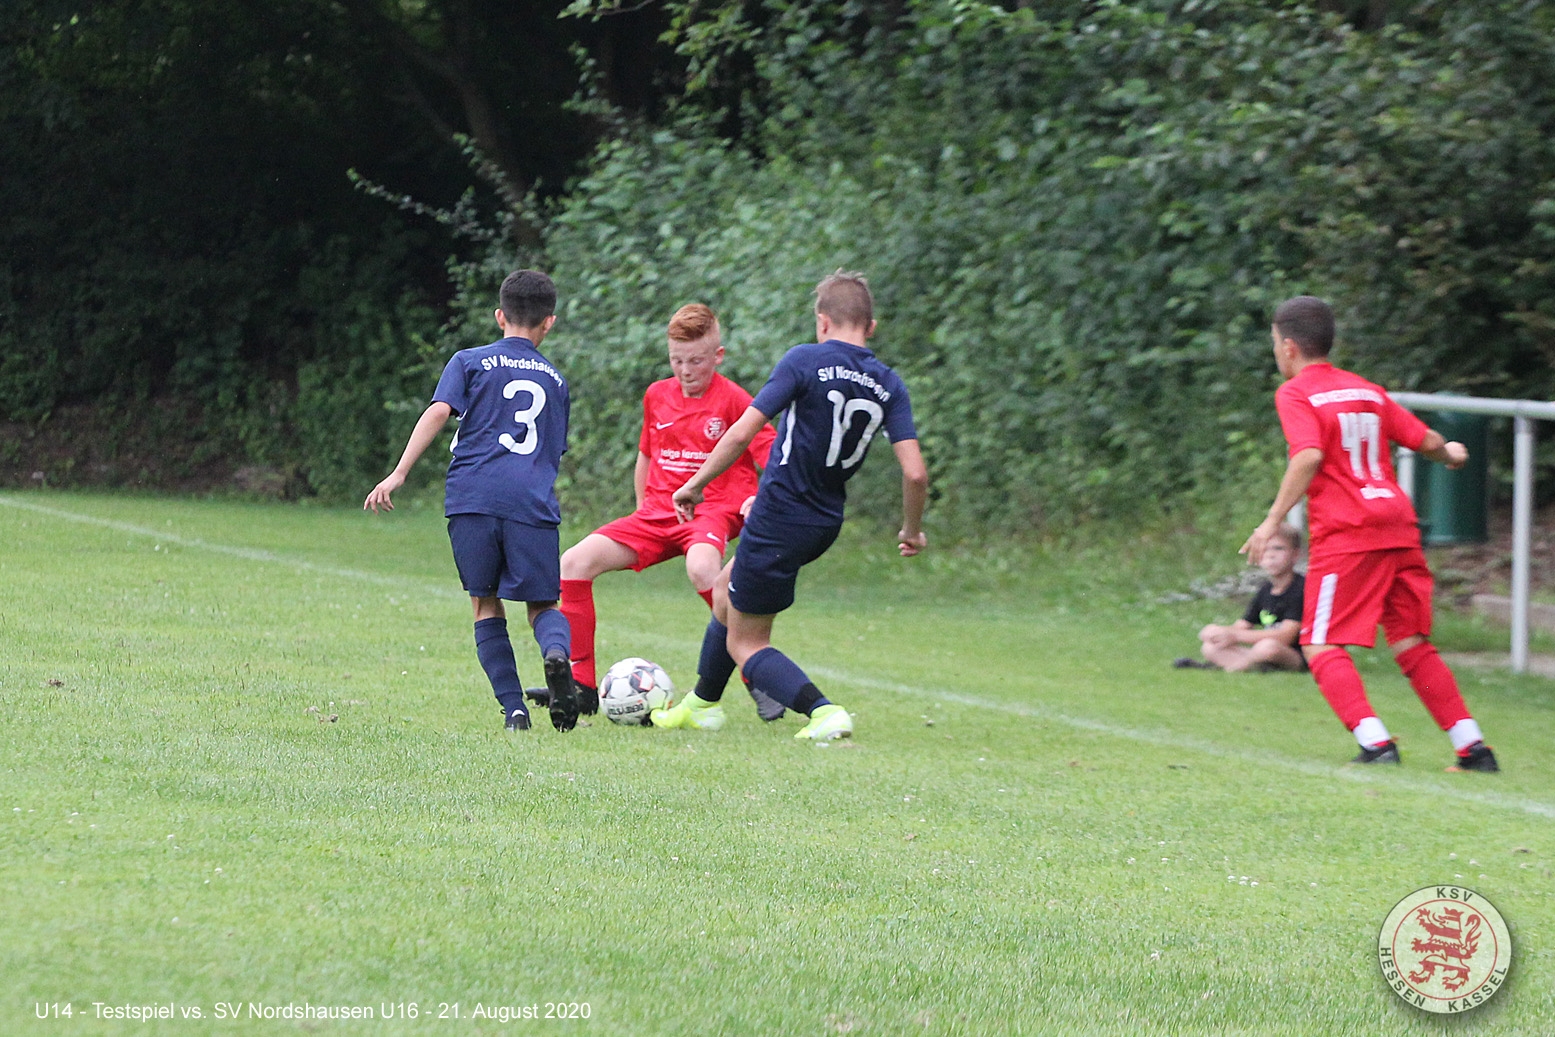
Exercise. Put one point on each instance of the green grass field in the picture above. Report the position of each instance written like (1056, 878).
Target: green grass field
(1039, 828)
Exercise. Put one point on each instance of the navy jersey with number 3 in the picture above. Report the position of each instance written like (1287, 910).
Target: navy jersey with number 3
(512, 407)
(835, 397)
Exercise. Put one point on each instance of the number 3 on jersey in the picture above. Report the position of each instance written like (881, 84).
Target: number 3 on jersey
(528, 440)
(1361, 435)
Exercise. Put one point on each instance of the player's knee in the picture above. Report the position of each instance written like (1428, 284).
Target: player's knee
(701, 574)
(573, 565)
(1400, 647)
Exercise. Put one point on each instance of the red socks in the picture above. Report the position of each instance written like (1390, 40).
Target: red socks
(1434, 683)
(1340, 684)
(578, 607)
(706, 596)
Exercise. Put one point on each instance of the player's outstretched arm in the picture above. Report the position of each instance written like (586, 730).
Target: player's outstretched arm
(1436, 447)
(725, 452)
(1298, 476)
(427, 427)
(915, 494)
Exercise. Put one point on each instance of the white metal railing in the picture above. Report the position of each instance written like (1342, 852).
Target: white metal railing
(1523, 414)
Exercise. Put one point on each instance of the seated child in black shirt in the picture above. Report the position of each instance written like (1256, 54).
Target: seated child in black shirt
(1265, 637)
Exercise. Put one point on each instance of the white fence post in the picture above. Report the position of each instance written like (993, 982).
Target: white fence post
(1523, 413)
(1522, 529)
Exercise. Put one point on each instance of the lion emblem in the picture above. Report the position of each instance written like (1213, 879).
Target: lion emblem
(1450, 944)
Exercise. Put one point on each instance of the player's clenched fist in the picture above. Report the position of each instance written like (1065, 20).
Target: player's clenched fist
(686, 500)
(911, 545)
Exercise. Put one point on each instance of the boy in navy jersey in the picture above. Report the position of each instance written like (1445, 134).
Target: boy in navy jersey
(834, 396)
(501, 502)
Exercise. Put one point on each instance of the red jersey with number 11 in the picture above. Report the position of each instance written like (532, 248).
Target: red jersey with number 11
(679, 432)
(1354, 502)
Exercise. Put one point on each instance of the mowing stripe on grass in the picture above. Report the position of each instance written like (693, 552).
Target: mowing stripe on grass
(1163, 739)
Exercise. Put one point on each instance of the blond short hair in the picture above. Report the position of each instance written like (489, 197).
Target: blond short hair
(845, 298)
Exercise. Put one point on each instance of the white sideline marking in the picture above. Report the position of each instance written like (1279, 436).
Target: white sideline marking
(1164, 739)
(1171, 740)
(252, 554)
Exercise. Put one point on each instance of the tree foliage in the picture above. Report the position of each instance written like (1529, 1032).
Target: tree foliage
(1078, 219)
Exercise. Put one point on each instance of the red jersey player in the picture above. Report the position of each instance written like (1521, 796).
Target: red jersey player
(1365, 565)
(683, 417)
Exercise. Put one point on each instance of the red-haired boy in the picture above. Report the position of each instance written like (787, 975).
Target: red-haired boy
(684, 416)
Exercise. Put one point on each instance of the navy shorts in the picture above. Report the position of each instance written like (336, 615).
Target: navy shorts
(767, 563)
(507, 559)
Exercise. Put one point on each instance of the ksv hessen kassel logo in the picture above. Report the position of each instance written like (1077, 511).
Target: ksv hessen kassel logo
(714, 428)
(1445, 949)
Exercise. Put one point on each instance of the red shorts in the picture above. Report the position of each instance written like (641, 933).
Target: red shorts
(660, 539)
(1349, 594)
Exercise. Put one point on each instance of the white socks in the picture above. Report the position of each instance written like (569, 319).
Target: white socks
(1370, 733)
(1464, 734)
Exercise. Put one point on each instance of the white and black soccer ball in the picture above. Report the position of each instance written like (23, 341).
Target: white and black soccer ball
(632, 689)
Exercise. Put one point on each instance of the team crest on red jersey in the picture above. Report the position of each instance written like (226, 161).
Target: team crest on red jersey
(714, 427)
(1445, 949)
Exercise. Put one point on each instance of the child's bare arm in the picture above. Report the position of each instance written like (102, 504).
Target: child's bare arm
(1299, 471)
(915, 495)
(1284, 631)
(427, 427)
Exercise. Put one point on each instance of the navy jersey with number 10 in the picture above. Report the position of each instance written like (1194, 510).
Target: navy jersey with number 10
(512, 407)
(834, 397)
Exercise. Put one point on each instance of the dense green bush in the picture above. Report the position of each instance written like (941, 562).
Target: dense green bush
(1077, 222)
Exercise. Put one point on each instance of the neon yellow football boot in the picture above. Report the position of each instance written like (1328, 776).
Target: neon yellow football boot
(827, 723)
(691, 712)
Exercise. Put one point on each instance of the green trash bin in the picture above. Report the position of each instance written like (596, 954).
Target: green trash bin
(1454, 506)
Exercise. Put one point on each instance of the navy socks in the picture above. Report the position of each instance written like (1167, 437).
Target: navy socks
(495, 652)
(778, 676)
(553, 631)
(716, 665)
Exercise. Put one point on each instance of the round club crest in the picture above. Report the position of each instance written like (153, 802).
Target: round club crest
(714, 428)
(1444, 949)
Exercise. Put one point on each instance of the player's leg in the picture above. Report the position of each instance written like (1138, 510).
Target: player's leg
(554, 635)
(532, 574)
(702, 708)
(704, 561)
(582, 563)
(1342, 607)
(1273, 654)
(477, 550)
(750, 643)
(1233, 657)
(704, 549)
(761, 584)
(1406, 623)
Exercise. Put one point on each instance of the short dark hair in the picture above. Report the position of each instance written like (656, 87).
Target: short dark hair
(527, 298)
(1309, 322)
(846, 299)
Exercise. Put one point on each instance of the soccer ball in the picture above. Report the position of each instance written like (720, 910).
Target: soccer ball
(632, 689)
